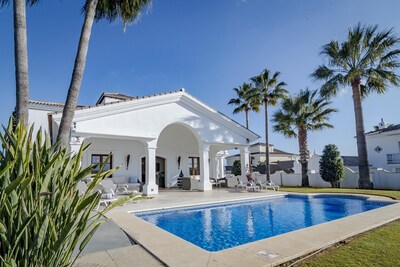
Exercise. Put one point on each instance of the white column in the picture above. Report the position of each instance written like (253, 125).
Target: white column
(244, 159)
(213, 165)
(221, 166)
(205, 184)
(151, 188)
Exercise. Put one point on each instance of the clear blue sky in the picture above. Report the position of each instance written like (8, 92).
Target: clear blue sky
(207, 47)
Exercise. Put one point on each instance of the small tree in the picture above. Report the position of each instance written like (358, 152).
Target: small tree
(236, 168)
(331, 165)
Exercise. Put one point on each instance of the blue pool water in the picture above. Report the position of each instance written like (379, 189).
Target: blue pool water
(223, 226)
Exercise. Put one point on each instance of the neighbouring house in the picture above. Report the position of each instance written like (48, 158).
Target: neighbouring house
(383, 146)
(153, 138)
(350, 162)
(279, 160)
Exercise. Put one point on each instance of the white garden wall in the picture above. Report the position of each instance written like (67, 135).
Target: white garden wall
(381, 179)
(386, 180)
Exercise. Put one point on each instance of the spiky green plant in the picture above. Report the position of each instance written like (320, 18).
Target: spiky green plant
(43, 217)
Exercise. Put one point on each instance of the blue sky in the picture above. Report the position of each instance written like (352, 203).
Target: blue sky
(207, 47)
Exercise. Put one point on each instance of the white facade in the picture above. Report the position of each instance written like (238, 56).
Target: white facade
(258, 155)
(313, 164)
(383, 146)
(155, 138)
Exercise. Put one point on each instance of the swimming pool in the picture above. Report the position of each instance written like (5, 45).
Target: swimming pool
(222, 226)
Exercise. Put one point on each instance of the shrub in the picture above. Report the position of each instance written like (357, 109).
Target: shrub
(331, 165)
(42, 215)
(236, 168)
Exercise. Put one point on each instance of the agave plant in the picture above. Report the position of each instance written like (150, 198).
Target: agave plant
(43, 217)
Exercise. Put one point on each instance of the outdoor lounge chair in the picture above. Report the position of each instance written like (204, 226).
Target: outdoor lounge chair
(270, 184)
(247, 187)
(267, 185)
(127, 189)
(107, 195)
(217, 181)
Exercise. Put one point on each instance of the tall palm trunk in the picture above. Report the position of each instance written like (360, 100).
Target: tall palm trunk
(76, 80)
(247, 118)
(267, 171)
(302, 135)
(21, 61)
(363, 165)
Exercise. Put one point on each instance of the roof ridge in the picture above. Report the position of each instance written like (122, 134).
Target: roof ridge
(49, 103)
(392, 127)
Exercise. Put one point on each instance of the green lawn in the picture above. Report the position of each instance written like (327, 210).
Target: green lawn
(380, 247)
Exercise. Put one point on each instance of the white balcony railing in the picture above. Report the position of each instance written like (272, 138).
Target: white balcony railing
(393, 158)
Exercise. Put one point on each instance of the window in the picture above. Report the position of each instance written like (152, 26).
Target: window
(194, 165)
(99, 159)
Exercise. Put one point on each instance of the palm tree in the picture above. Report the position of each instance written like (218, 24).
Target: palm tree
(366, 61)
(128, 10)
(269, 91)
(21, 57)
(246, 101)
(299, 114)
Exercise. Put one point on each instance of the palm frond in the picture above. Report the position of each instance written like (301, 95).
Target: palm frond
(306, 110)
(128, 10)
(367, 55)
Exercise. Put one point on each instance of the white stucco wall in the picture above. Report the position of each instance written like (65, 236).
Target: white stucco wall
(40, 119)
(119, 149)
(176, 141)
(389, 145)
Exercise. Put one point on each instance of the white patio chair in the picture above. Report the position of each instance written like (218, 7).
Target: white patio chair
(247, 186)
(270, 184)
(107, 195)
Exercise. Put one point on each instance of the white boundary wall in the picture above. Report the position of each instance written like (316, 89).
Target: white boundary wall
(381, 179)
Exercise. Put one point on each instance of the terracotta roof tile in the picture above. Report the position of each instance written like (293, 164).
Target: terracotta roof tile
(384, 130)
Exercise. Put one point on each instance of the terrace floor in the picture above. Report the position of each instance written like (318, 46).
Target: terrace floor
(158, 247)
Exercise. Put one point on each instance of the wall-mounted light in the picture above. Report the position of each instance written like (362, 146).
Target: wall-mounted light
(128, 157)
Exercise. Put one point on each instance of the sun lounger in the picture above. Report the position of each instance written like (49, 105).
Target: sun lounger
(247, 187)
(107, 195)
(268, 185)
(127, 189)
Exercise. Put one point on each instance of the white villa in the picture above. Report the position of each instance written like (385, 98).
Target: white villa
(153, 139)
(383, 146)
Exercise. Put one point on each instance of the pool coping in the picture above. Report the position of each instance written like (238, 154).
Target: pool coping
(174, 251)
